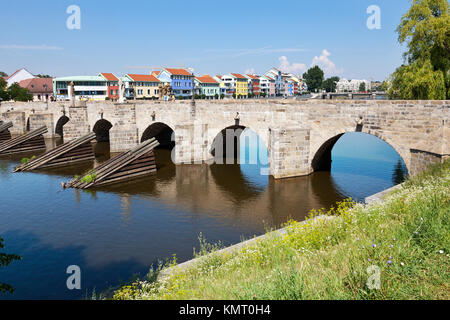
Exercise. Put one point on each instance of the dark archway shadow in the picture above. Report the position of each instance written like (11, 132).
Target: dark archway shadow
(60, 124)
(161, 132)
(101, 129)
(229, 135)
(322, 159)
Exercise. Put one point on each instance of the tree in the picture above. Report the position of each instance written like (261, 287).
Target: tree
(4, 94)
(313, 78)
(17, 93)
(425, 28)
(362, 87)
(5, 260)
(3, 74)
(330, 84)
(417, 81)
(43, 76)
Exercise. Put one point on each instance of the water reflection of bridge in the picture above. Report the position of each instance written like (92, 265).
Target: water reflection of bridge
(223, 192)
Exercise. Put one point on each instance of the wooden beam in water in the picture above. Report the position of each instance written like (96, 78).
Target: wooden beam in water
(137, 162)
(31, 141)
(77, 150)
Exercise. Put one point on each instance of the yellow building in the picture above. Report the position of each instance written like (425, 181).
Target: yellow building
(144, 86)
(240, 85)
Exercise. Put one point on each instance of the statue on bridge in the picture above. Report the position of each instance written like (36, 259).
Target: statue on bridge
(165, 92)
(121, 91)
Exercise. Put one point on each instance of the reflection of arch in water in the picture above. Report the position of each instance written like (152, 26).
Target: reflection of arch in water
(323, 156)
(60, 124)
(161, 132)
(101, 129)
(231, 180)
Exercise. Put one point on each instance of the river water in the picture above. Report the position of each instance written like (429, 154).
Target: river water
(118, 232)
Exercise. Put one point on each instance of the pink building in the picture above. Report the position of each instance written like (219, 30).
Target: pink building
(272, 92)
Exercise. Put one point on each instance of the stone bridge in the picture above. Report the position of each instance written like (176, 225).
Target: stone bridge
(299, 135)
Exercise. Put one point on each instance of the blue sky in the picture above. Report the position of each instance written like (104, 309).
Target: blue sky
(209, 36)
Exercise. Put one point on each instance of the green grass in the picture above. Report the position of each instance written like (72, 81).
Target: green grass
(407, 236)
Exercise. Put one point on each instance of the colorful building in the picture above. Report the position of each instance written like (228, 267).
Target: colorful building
(112, 82)
(181, 81)
(207, 86)
(85, 88)
(277, 75)
(143, 86)
(236, 84)
(223, 89)
(254, 86)
(268, 84)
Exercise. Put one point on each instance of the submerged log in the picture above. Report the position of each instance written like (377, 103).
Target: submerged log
(75, 151)
(137, 162)
(31, 141)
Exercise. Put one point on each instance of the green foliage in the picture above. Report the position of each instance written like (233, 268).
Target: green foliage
(362, 87)
(313, 78)
(4, 94)
(5, 260)
(216, 96)
(330, 84)
(3, 74)
(89, 178)
(43, 76)
(425, 28)
(26, 160)
(17, 93)
(417, 81)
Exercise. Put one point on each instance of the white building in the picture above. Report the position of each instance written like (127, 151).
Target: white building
(353, 85)
(85, 88)
(19, 75)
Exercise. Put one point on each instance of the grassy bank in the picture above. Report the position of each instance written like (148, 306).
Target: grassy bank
(407, 237)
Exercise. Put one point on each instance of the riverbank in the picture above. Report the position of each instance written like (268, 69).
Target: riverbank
(406, 237)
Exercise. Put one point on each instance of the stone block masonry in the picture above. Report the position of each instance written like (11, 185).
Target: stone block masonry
(298, 134)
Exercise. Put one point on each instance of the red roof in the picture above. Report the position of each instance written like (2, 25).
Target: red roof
(109, 76)
(252, 76)
(12, 74)
(206, 79)
(237, 75)
(156, 73)
(268, 77)
(38, 85)
(219, 76)
(143, 77)
(178, 72)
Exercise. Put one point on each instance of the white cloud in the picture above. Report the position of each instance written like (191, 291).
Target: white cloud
(295, 67)
(326, 64)
(38, 47)
(250, 71)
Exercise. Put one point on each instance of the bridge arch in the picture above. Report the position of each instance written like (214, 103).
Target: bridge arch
(60, 124)
(227, 144)
(322, 157)
(161, 132)
(101, 129)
